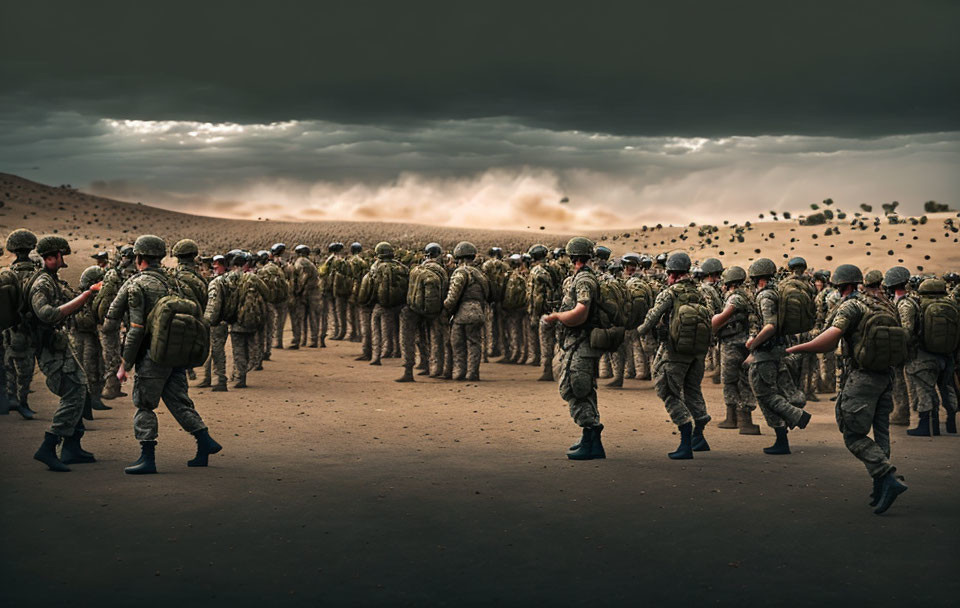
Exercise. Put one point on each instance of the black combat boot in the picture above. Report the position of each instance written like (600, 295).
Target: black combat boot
(47, 454)
(25, 410)
(804, 420)
(698, 443)
(241, 382)
(363, 358)
(877, 491)
(96, 403)
(684, 451)
(596, 448)
(72, 452)
(407, 375)
(574, 447)
(731, 421)
(951, 423)
(4, 400)
(205, 383)
(294, 346)
(205, 446)
(220, 387)
(616, 383)
(890, 489)
(781, 445)
(547, 375)
(147, 463)
(935, 421)
(923, 426)
(585, 450)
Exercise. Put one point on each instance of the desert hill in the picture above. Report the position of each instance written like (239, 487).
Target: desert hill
(91, 223)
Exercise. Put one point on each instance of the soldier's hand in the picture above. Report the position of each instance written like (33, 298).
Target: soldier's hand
(96, 287)
(749, 343)
(549, 319)
(122, 375)
(748, 360)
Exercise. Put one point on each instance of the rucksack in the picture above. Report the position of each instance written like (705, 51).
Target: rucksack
(425, 293)
(939, 324)
(392, 285)
(247, 303)
(179, 336)
(690, 327)
(108, 292)
(797, 312)
(366, 296)
(497, 279)
(515, 292)
(276, 283)
(85, 319)
(540, 291)
(607, 314)
(881, 342)
(196, 286)
(10, 296)
(342, 280)
(641, 298)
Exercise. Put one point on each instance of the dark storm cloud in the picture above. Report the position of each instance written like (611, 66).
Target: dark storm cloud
(669, 68)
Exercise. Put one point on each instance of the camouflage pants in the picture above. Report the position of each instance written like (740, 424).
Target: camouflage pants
(328, 315)
(606, 366)
(513, 334)
(414, 330)
(282, 309)
(548, 345)
(716, 363)
(493, 329)
(244, 346)
(864, 404)
(901, 397)
(623, 358)
(765, 382)
(441, 359)
(110, 348)
(649, 345)
(353, 311)
(366, 331)
(341, 306)
(20, 364)
(298, 318)
(65, 380)
(218, 354)
(578, 386)
(929, 374)
(736, 383)
(153, 382)
(678, 386)
(268, 330)
(466, 342)
(828, 372)
(316, 317)
(91, 360)
(383, 324)
(532, 333)
(809, 373)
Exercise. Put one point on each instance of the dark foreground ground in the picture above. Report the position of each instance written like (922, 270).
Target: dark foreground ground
(338, 487)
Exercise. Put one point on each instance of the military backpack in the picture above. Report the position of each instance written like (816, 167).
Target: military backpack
(108, 292)
(11, 293)
(392, 284)
(247, 303)
(515, 292)
(425, 291)
(690, 326)
(496, 274)
(880, 342)
(641, 297)
(939, 324)
(179, 335)
(276, 282)
(608, 321)
(797, 312)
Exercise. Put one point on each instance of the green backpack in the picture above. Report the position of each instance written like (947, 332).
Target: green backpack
(248, 302)
(515, 292)
(276, 283)
(107, 294)
(425, 292)
(641, 297)
(85, 319)
(608, 312)
(196, 286)
(366, 296)
(393, 284)
(939, 325)
(690, 327)
(179, 336)
(496, 275)
(10, 295)
(881, 343)
(797, 312)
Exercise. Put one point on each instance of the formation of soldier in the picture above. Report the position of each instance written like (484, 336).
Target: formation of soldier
(769, 335)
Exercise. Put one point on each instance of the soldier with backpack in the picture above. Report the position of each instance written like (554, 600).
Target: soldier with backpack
(873, 343)
(187, 272)
(282, 307)
(932, 319)
(463, 305)
(43, 312)
(895, 283)
(541, 298)
(338, 285)
(613, 286)
(113, 330)
(649, 343)
(305, 300)
(358, 268)
(732, 327)
(640, 297)
(167, 335)
(514, 309)
(386, 290)
(826, 301)
(712, 292)
(276, 281)
(799, 287)
(579, 352)
(495, 269)
(767, 350)
(427, 290)
(246, 311)
(19, 345)
(217, 293)
(87, 340)
(682, 318)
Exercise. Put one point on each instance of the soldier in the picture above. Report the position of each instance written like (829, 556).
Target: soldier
(541, 300)
(864, 402)
(112, 331)
(767, 349)
(826, 301)
(464, 307)
(895, 281)
(807, 366)
(276, 256)
(306, 299)
(87, 340)
(495, 269)
(641, 298)
(578, 359)
(217, 294)
(337, 287)
(19, 345)
(388, 284)
(152, 381)
(358, 267)
(677, 376)
(601, 261)
(931, 319)
(272, 275)
(45, 314)
(421, 315)
(245, 336)
(621, 361)
(514, 307)
(101, 259)
(712, 292)
(732, 328)
(187, 273)
(649, 343)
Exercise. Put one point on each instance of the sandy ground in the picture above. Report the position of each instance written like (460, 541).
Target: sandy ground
(337, 486)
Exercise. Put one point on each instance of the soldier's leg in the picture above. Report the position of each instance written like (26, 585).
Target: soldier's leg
(318, 322)
(649, 346)
(282, 309)
(717, 362)
(474, 345)
(778, 412)
(408, 336)
(486, 333)
(948, 395)
(366, 333)
(447, 338)
(668, 377)
(436, 348)
(901, 400)
(376, 325)
(24, 367)
(395, 331)
(353, 315)
(922, 376)
(497, 329)
(629, 339)
(148, 382)
(255, 351)
(218, 352)
(458, 344)
(578, 387)
(693, 393)
(269, 330)
(297, 310)
(423, 345)
(856, 416)
(548, 343)
(207, 379)
(532, 329)
(175, 396)
(618, 363)
(65, 380)
(606, 366)
(239, 345)
(93, 360)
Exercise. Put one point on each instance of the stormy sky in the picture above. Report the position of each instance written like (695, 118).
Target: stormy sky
(465, 113)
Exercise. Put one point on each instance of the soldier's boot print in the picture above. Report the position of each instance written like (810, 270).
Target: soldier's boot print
(684, 451)
(781, 446)
(72, 452)
(698, 443)
(745, 423)
(47, 454)
(731, 420)
(206, 446)
(147, 463)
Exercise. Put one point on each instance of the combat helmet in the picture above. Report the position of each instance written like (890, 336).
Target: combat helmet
(646, 261)
(898, 275)
(602, 253)
(797, 263)
(822, 275)
(92, 275)
(433, 250)
(537, 252)
(278, 248)
(873, 278)
(580, 246)
(846, 274)
(678, 262)
(464, 249)
(631, 258)
(335, 247)
(263, 255)
(185, 248)
(515, 260)
(559, 252)
(933, 287)
(21, 240)
(50, 245)
(496, 252)
(762, 267)
(697, 272)
(302, 250)
(383, 250)
(616, 265)
(711, 266)
(100, 255)
(356, 247)
(661, 259)
(151, 245)
(733, 274)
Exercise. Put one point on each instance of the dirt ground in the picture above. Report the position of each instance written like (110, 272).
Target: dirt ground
(337, 486)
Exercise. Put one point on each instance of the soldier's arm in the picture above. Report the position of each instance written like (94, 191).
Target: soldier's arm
(848, 315)
(662, 304)
(723, 317)
(907, 315)
(212, 312)
(768, 317)
(77, 303)
(135, 306)
(457, 283)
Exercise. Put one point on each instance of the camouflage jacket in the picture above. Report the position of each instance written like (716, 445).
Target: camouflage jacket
(216, 299)
(306, 278)
(580, 288)
(188, 275)
(136, 298)
(737, 329)
(541, 292)
(712, 296)
(467, 294)
(768, 309)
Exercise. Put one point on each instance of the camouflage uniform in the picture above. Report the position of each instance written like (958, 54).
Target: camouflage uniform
(464, 302)
(20, 347)
(110, 330)
(415, 328)
(358, 268)
(767, 373)
(87, 348)
(216, 298)
(151, 382)
(826, 302)
(926, 372)
(713, 297)
(495, 270)
(305, 306)
(330, 308)
(384, 320)
(284, 307)
(245, 343)
(864, 401)
(540, 300)
(578, 360)
(649, 342)
(676, 377)
(732, 339)
(513, 328)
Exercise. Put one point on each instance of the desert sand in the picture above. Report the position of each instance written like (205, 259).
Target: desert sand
(337, 486)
